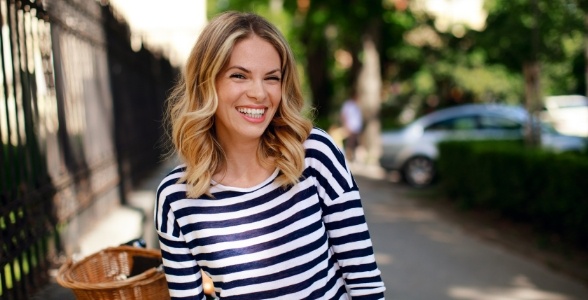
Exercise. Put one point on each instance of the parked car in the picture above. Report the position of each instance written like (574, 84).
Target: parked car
(568, 114)
(412, 150)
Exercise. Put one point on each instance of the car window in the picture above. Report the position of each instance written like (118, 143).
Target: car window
(460, 123)
(496, 122)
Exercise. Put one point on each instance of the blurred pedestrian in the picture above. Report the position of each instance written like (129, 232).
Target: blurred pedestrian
(352, 122)
(263, 203)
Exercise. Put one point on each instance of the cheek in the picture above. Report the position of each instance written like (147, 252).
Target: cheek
(276, 96)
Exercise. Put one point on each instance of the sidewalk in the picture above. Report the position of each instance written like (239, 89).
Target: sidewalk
(125, 223)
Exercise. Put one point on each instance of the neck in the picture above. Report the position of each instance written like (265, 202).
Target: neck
(242, 168)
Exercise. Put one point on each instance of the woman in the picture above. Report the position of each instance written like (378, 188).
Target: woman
(263, 204)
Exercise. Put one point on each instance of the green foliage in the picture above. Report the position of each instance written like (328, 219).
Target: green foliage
(518, 31)
(481, 66)
(540, 187)
(490, 83)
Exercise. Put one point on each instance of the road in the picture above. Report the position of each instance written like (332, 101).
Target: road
(423, 255)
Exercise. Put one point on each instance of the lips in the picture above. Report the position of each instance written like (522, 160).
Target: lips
(255, 113)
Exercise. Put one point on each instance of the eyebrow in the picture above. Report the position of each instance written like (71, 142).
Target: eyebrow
(248, 71)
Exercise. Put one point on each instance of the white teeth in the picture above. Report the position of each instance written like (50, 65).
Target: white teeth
(252, 112)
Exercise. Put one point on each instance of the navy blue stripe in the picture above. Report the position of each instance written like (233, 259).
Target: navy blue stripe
(183, 285)
(178, 169)
(325, 141)
(324, 159)
(231, 194)
(321, 291)
(212, 210)
(281, 274)
(299, 215)
(284, 290)
(363, 280)
(359, 268)
(311, 246)
(164, 213)
(303, 194)
(180, 271)
(355, 253)
(176, 257)
(345, 223)
(172, 244)
(331, 283)
(157, 196)
(167, 183)
(369, 297)
(342, 240)
(325, 184)
(343, 206)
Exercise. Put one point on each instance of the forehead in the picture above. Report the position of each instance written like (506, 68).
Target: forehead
(255, 50)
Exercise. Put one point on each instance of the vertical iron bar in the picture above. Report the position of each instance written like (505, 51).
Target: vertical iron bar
(29, 154)
(3, 162)
(18, 283)
(7, 268)
(10, 172)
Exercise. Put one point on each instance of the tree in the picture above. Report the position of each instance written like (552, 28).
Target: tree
(524, 34)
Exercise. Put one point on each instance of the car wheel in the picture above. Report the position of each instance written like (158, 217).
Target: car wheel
(419, 171)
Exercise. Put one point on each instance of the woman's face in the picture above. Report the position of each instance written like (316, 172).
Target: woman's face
(249, 91)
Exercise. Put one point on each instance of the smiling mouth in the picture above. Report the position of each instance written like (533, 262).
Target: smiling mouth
(255, 113)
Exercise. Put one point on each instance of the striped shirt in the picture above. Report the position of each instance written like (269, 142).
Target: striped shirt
(307, 241)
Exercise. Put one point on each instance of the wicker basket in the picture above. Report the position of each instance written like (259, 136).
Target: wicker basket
(123, 272)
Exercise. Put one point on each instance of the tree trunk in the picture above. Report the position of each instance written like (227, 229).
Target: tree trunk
(369, 91)
(320, 83)
(531, 71)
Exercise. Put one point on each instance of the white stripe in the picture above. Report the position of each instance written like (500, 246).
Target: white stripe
(235, 214)
(272, 252)
(302, 223)
(347, 230)
(270, 285)
(353, 246)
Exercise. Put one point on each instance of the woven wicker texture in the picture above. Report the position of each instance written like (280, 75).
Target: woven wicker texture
(123, 272)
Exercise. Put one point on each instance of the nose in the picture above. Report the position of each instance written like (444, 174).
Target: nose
(257, 90)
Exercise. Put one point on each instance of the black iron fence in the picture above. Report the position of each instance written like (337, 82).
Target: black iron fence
(80, 119)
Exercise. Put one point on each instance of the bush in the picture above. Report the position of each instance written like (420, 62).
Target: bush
(532, 185)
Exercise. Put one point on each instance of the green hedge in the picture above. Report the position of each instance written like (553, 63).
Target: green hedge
(544, 188)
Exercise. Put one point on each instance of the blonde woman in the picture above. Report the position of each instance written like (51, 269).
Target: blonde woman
(263, 203)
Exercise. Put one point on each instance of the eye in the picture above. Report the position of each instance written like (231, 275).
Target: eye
(237, 75)
(274, 78)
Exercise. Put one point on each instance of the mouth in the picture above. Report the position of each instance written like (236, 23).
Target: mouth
(255, 113)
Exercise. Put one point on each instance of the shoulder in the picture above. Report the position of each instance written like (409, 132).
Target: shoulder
(325, 161)
(320, 144)
(318, 138)
(169, 191)
(170, 183)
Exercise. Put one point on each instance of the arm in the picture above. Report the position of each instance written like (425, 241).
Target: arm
(344, 220)
(350, 241)
(182, 273)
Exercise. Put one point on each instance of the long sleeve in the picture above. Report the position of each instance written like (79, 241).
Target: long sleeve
(344, 219)
(181, 270)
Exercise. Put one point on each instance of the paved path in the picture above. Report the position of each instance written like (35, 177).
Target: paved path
(423, 255)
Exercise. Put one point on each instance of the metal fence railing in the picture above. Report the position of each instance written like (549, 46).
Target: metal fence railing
(26, 188)
(80, 113)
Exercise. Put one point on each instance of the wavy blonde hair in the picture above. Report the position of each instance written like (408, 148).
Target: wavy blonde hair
(192, 104)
